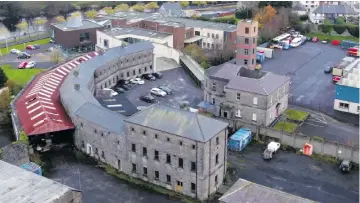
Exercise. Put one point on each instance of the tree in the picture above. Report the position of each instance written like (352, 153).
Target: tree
(339, 29)
(60, 19)
(108, 10)
(205, 65)
(39, 22)
(152, 5)
(195, 52)
(353, 30)
(91, 14)
(121, 7)
(139, 7)
(265, 16)
(327, 22)
(56, 56)
(14, 88)
(22, 26)
(5, 99)
(244, 13)
(75, 14)
(304, 17)
(3, 78)
(184, 4)
(340, 20)
(54, 8)
(325, 28)
(275, 4)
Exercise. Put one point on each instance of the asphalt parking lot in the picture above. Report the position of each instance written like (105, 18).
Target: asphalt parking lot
(40, 56)
(296, 174)
(184, 90)
(310, 86)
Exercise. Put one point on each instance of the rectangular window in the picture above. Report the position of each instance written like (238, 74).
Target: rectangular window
(216, 180)
(180, 143)
(139, 71)
(208, 35)
(255, 101)
(106, 43)
(96, 151)
(156, 136)
(128, 74)
(238, 113)
(238, 96)
(246, 30)
(254, 117)
(103, 154)
(193, 166)
(225, 114)
(144, 171)
(253, 40)
(150, 67)
(119, 164)
(217, 36)
(253, 61)
(144, 132)
(156, 155)
(246, 51)
(197, 33)
(253, 51)
(179, 183)
(193, 146)
(133, 168)
(217, 159)
(134, 72)
(245, 61)
(254, 29)
(168, 159)
(214, 85)
(133, 147)
(168, 139)
(193, 187)
(212, 36)
(246, 40)
(213, 100)
(156, 175)
(343, 105)
(168, 179)
(217, 141)
(181, 163)
(144, 152)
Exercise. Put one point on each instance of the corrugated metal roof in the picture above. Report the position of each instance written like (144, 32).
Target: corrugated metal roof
(18, 185)
(335, 9)
(186, 124)
(246, 191)
(39, 107)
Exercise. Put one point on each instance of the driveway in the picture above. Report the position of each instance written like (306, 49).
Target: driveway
(310, 86)
(298, 175)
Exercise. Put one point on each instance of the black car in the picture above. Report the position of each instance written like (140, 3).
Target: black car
(157, 75)
(36, 46)
(148, 77)
(23, 55)
(328, 69)
(165, 89)
(119, 90)
(148, 99)
(126, 87)
(345, 166)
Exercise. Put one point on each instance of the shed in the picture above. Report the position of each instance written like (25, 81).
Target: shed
(240, 139)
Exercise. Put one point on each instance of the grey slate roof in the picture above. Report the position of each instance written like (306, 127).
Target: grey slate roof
(82, 102)
(186, 124)
(298, 7)
(335, 9)
(18, 185)
(223, 72)
(247, 191)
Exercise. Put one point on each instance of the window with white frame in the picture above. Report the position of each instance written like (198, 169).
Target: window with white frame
(254, 117)
(246, 51)
(238, 96)
(238, 113)
(343, 105)
(255, 101)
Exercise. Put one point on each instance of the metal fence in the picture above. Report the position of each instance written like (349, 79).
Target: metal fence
(14, 40)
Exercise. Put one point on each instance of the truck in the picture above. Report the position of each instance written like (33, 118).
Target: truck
(271, 149)
(345, 44)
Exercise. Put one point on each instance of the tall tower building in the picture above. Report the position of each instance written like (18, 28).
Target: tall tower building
(246, 40)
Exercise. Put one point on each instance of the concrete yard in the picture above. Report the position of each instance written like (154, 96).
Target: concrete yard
(310, 86)
(296, 174)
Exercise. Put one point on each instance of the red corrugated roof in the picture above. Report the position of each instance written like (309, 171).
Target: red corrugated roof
(39, 107)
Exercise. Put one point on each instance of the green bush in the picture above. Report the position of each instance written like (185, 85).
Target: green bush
(339, 29)
(353, 30)
(304, 17)
(325, 28)
(340, 20)
(244, 13)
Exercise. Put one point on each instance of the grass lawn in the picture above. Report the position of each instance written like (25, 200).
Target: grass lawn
(20, 76)
(22, 47)
(285, 126)
(322, 36)
(296, 115)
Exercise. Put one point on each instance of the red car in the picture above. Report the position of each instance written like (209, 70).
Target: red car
(30, 47)
(22, 65)
(315, 39)
(336, 78)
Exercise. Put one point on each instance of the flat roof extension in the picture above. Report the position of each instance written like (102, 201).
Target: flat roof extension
(118, 31)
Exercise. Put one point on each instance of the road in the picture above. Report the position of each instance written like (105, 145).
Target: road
(298, 175)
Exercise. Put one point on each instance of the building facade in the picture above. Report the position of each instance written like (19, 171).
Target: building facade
(331, 12)
(246, 43)
(240, 94)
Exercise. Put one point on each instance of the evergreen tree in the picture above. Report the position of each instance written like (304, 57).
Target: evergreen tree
(3, 78)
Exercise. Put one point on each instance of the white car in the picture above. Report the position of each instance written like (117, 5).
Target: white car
(158, 92)
(14, 51)
(113, 93)
(31, 64)
(137, 81)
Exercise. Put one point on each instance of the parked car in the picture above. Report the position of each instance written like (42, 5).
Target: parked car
(308, 39)
(148, 99)
(23, 55)
(113, 93)
(14, 51)
(148, 76)
(52, 41)
(30, 47)
(315, 39)
(36, 46)
(271, 149)
(119, 90)
(345, 166)
(165, 89)
(22, 65)
(328, 69)
(126, 87)
(157, 75)
(137, 81)
(50, 49)
(325, 41)
(336, 78)
(31, 64)
(158, 92)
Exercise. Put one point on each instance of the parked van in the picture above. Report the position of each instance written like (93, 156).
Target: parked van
(345, 44)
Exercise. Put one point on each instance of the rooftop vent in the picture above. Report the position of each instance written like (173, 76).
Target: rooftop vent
(74, 21)
(76, 86)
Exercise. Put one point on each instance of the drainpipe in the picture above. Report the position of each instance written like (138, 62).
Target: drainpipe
(196, 174)
(209, 169)
(225, 154)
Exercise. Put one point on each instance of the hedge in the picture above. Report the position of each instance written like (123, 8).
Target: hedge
(339, 29)
(352, 29)
(325, 28)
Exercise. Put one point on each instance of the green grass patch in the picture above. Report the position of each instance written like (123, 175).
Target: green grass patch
(322, 36)
(20, 76)
(318, 139)
(21, 46)
(296, 115)
(325, 158)
(285, 126)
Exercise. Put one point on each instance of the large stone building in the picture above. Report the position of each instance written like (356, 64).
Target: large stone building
(240, 94)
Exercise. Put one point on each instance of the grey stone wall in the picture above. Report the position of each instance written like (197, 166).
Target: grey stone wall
(16, 154)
